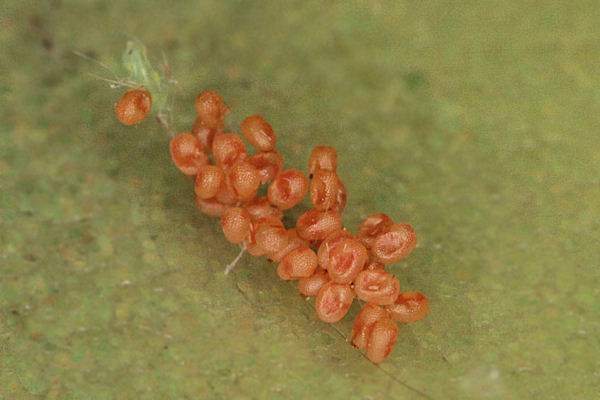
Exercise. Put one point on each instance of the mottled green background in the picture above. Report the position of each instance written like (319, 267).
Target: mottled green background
(476, 121)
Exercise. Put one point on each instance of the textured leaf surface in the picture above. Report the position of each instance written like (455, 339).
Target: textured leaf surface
(476, 122)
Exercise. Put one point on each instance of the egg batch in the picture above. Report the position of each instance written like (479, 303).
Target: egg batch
(329, 262)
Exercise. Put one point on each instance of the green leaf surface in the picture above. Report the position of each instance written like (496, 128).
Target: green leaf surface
(476, 122)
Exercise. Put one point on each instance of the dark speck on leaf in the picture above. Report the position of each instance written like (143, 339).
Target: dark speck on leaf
(414, 80)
